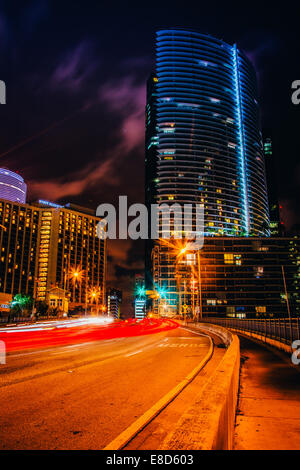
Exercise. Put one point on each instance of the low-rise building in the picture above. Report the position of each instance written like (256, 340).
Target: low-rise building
(236, 277)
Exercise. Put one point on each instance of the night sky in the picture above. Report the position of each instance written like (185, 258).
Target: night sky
(75, 73)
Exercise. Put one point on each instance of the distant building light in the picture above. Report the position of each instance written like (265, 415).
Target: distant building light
(48, 203)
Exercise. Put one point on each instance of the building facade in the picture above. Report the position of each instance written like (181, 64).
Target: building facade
(19, 245)
(139, 297)
(203, 143)
(239, 277)
(12, 186)
(113, 302)
(276, 223)
(71, 255)
(203, 139)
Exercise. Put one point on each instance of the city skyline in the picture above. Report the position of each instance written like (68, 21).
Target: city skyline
(89, 97)
(149, 229)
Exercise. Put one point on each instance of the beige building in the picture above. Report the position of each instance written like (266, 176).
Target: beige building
(71, 255)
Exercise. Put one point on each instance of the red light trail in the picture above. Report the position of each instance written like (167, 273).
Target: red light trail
(41, 335)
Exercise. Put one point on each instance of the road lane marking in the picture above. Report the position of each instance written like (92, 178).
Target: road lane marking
(39, 351)
(129, 433)
(133, 353)
(194, 332)
(185, 337)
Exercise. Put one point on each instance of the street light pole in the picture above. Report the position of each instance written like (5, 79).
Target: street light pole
(287, 299)
(199, 285)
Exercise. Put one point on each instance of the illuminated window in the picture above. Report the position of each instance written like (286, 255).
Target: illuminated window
(228, 258)
(259, 271)
(261, 309)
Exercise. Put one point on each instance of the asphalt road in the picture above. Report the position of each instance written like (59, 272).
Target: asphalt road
(83, 396)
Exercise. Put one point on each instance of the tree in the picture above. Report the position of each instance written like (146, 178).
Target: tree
(21, 305)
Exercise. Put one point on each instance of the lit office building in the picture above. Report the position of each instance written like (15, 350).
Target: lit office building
(114, 300)
(276, 224)
(140, 308)
(139, 297)
(240, 277)
(52, 253)
(19, 241)
(71, 256)
(12, 186)
(203, 142)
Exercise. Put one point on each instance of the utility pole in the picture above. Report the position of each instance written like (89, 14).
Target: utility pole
(199, 285)
(287, 299)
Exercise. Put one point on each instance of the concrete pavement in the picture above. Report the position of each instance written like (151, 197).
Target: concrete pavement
(268, 415)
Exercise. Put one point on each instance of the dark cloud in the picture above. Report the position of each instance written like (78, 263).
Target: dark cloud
(74, 68)
(34, 14)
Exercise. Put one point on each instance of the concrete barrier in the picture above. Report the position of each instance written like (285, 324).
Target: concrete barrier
(218, 330)
(209, 423)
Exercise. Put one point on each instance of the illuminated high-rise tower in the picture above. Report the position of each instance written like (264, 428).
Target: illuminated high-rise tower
(12, 186)
(203, 139)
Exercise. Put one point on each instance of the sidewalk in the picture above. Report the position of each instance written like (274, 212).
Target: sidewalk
(268, 414)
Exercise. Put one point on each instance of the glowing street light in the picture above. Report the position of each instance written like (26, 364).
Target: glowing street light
(141, 291)
(94, 293)
(76, 274)
(182, 251)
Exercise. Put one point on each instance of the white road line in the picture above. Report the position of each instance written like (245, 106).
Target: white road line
(30, 353)
(185, 337)
(133, 353)
(194, 332)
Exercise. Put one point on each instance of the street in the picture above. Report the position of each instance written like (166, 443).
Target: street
(83, 395)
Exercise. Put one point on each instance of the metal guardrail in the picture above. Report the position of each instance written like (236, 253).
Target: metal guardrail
(281, 329)
(11, 320)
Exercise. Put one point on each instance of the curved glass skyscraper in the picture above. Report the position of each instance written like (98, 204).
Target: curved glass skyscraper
(203, 142)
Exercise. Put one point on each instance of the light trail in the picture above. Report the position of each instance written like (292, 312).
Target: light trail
(79, 331)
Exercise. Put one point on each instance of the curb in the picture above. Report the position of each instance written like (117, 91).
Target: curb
(209, 423)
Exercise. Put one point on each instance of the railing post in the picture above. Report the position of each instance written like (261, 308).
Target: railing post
(265, 321)
(285, 338)
(272, 330)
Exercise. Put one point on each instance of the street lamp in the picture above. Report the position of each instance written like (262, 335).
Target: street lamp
(76, 274)
(181, 248)
(94, 294)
